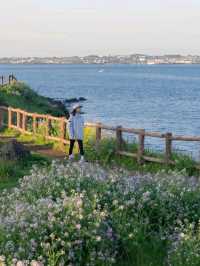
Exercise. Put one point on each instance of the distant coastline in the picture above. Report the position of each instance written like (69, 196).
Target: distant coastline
(140, 59)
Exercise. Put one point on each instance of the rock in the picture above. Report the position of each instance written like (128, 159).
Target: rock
(72, 100)
(59, 104)
(13, 151)
(82, 99)
(75, 100)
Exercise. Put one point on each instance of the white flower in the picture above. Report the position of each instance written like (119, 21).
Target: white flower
(146, 196)
(98, 238)
(78, 226)
(36, 263)
(130, 235)
(2, 258)
(20, 263)
(181, 235)
(115, 202)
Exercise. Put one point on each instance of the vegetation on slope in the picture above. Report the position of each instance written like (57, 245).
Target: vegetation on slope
(20, 95)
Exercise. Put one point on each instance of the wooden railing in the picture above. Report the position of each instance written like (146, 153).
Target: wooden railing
(20, 120)
(5, 80)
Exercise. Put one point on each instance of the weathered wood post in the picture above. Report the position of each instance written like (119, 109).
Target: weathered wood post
(1, 118)
(98, 134)
(21, 120)
(48, 126)
(34, 125)
(18, 119)
(9, 117)
(24, 121)
(141, 142)
(168, 147)
(119, 138)
(63, 128)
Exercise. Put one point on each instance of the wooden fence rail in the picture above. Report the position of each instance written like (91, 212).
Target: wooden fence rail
(28, 123)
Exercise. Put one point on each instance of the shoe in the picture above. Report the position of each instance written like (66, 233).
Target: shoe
(71, 158)
(82, 160)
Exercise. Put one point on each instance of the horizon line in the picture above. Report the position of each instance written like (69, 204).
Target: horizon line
(93, 54)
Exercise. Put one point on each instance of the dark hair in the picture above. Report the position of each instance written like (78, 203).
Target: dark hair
(73, 112)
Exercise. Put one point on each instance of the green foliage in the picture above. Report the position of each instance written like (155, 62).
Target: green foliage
(186, 250)
(86, 215)
(11, 172)
(105, 154)
(19, 95)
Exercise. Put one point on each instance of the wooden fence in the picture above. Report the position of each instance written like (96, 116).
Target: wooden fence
(20, 120)
(5, 80)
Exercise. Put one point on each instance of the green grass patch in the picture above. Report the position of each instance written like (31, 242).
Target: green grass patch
(12, 171)
(105, 154)
(20, 95)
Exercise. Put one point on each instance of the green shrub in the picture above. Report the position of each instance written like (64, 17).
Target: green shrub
(86, 215)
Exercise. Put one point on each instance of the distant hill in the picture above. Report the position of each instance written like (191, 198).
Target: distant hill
(110, 59)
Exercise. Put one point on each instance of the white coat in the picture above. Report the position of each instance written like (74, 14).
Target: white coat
(76, 126)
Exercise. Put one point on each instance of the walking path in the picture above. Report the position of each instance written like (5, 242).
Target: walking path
(45, 150)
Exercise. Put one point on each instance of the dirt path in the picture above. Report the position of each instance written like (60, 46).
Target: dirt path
(53, 154)
(44, 150)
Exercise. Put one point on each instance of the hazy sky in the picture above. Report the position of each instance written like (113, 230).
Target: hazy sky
(81, 27)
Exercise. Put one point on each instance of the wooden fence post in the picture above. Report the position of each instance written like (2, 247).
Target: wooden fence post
(21, 118)
(168, 147)
(24, 120)
(63, 127)
(119, 138)
(141, 139)
(48, 121)
(18, 119)
(1, 118)
(9, 117)
(34, 125)
(98, 134)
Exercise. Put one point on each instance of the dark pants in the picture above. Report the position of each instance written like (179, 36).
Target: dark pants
(80, 145)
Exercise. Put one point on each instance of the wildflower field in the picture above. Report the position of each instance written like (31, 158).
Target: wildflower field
(72, 214)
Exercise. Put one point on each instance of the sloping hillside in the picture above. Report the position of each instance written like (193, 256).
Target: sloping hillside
(20, 95)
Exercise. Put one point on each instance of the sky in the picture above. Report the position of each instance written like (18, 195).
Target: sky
(82, 27)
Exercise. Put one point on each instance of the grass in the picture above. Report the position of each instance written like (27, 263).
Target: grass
(106, 155)
(12, 171)
(20, 95)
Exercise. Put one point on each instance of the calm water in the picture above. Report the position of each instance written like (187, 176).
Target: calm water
(160, 98)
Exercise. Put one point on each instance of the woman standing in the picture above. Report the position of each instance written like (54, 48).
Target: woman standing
(76, 130)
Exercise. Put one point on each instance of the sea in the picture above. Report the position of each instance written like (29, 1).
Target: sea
(164, 98)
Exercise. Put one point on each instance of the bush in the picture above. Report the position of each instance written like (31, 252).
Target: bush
(72, 214)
